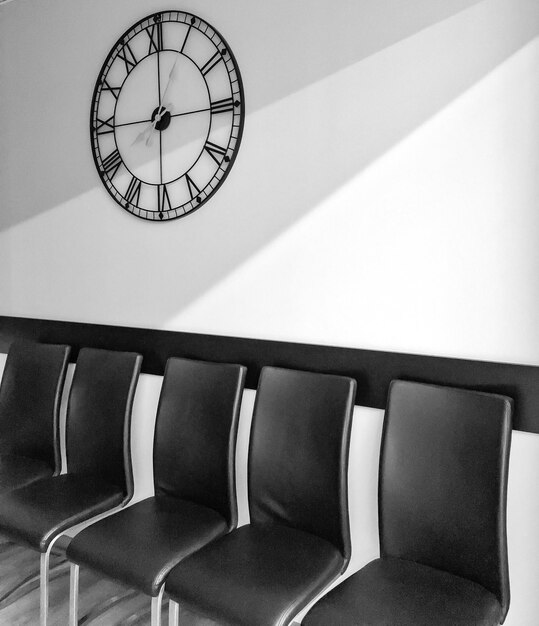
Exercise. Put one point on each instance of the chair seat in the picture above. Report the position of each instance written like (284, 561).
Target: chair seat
(139, 545)
(391, 591)
(17, 471)
(36, 513)
(256, 575)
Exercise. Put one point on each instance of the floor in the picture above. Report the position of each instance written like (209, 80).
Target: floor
(100, 601)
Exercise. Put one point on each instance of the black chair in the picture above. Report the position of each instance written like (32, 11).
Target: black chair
(30, 395)
(298, 539)
(442, 516)
(194, 480)
(99, 474)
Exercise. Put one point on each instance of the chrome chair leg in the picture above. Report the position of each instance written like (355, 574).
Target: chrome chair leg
(74, 594)
(157, 607)
(44, 562)
(173, 613)
(44, 587)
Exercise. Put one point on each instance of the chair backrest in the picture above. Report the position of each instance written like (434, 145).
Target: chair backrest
(443, 481)
(195, 433)
(98, 418)
(298, 453)
(30, 395)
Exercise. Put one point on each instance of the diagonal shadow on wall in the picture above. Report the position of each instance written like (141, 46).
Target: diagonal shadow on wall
(317, 116)
(50, 55)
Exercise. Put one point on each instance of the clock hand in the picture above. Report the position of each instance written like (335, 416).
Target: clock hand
(148, 131)
(147, 134)
(150, 135)
(143, 136)
(170, 79)
(164, 108)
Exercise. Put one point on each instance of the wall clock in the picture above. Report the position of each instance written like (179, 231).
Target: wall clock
(167, 116)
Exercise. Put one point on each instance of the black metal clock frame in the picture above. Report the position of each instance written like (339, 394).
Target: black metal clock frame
(109, 164)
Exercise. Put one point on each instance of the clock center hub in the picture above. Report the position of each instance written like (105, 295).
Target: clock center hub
(161, 117)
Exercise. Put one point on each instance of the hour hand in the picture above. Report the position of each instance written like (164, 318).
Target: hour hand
(149, 136)
(145, 134)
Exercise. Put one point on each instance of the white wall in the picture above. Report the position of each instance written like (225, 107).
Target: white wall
(384, 196)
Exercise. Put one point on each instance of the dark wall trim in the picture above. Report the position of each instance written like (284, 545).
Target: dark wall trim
(373, 370)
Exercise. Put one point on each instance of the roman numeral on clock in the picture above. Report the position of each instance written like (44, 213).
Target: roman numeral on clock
(155, 33)
(163, 200)
(193, 189)
(193, 20)
(115, 91)
(216, 152)
(132, 194)
(112, 163)
(104, 127)
(211, 63)
(127, 56)
(223, 106)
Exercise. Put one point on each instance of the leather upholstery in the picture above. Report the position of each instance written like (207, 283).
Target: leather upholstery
(195, 434)
(35, 514)
(256, 575)
(387, 592)
(98, 426)
(194, 478)
(30, 395)
(298, 540)
(140, 544)
(17, 471)
(298, 453)
(442, 505)
(97, 450)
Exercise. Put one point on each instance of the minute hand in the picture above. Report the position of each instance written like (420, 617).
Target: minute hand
(147, 133)
(170, 79)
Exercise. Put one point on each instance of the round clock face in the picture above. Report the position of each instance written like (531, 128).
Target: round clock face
(167, 116)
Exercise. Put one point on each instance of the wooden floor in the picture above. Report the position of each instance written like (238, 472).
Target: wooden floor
(100, 601)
